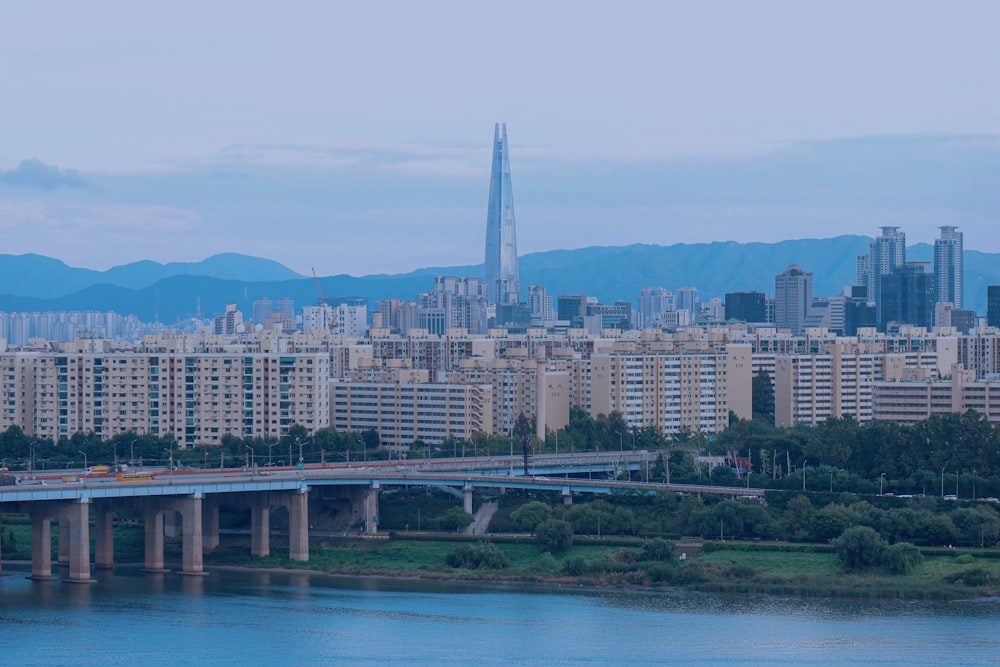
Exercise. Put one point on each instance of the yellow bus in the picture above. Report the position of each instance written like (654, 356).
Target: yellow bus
(98, 469)
(135, 477)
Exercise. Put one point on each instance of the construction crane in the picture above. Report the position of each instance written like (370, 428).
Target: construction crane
(319, 289)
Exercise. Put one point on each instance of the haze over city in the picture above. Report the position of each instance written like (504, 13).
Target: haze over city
(356, 139)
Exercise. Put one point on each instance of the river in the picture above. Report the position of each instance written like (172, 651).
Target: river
(252, 618)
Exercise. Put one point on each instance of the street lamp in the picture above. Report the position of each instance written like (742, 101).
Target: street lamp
(942, 482)
(131, 454)
(804, 462)
(270, 447)
(84, 458)
(881, 479)
(831, 480)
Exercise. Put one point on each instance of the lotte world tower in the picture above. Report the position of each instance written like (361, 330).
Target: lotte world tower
(500, 265)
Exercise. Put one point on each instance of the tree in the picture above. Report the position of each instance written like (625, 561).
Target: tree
(529, 515)
(658, 549)
(454, 519)
(902, 558)
(554, 535)
(860, 548)
(762, 396)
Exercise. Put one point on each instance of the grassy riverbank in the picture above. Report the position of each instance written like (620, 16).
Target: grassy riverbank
(737, 568)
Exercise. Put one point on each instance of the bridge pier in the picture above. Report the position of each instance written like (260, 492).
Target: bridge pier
(298, 526)
(191, 546)
(210, 524)
(104, 535)
(74, 539)
(467, 498)
(78, 521)
(63, 541)
(41, 542)
(371, 509)
(152, 520)
(567, 496)
(189, 508)
(260, 525)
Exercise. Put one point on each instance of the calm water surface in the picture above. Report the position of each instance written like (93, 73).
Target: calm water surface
(295, 619)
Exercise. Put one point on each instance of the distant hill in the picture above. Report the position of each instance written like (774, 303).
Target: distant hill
(44, 277)
(173, 291)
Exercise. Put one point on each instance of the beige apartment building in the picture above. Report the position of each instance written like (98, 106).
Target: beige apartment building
(196, 397)
(908, 400)
(674, 391)
(402, 413)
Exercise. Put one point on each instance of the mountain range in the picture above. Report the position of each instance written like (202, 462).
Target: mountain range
(174, 291)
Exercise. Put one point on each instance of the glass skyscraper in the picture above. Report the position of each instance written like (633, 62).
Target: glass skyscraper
(500, 265)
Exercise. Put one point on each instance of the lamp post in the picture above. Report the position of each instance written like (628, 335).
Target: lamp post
(942, 482)
(881, 479)
(131, 454)
(804, 462)
(831, 480)
(31, 457)
(270, 448)
(84, 459)
(973, 483)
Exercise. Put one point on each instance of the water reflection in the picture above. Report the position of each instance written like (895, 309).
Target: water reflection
(295, 617)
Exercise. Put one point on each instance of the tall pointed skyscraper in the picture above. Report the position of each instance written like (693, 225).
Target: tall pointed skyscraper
(500, 265)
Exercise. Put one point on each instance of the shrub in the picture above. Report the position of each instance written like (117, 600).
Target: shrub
(902, 558)
(860, 548)
(575, 566)
(973, 576)
(454, 519)
(547, 562)
(554, 535)
(481, 555)
(658, 549)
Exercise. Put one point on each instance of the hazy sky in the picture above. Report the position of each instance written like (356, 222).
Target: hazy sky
(355, 137)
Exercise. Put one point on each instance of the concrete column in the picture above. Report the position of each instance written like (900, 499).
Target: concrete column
(63, 540)
(210, 525)
(260, 525)
(41, 543)
(153, 518)
(371, 511)
(567, 497)
(104, 536)
(467, 499)
(78, 519)
(298, 526)
(190, 509)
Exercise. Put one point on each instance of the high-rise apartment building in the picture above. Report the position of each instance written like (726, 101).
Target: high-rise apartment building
(948, 266)
(792, 297)
(500, 265)
(885, 254)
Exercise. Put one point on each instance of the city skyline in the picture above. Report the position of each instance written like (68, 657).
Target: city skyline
(124, 147)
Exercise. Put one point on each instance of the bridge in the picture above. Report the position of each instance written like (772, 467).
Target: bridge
(186, 503)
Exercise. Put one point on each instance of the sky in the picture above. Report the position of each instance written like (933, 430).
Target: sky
(356, 137)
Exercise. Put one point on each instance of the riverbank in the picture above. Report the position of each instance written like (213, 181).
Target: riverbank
(803, 570)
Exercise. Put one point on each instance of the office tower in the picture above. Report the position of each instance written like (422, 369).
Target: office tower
(907, 296)
(792, 298)
(571, 308)
(653, 302)
(993, 305)
(886, 253)
(746, 306)
(686, 298)
(500, 265)
(262, 310)
(948, 266)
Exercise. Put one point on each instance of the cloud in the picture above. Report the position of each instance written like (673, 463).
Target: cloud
(34, 173)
